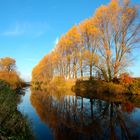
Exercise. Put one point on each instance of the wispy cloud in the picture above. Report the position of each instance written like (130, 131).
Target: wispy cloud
(13, 32)
(34, 29)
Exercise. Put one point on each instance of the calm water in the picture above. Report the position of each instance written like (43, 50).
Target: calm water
(69, 117)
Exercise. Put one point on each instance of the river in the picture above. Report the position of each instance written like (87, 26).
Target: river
(71, 117)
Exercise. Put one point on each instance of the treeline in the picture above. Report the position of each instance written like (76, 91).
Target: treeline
(100, 46)
(9, 74)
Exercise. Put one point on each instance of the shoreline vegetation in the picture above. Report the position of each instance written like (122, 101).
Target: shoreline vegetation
(12, 124)
(99, 48)
(124, 86)
(9, 74)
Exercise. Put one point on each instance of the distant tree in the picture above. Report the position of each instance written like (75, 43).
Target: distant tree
(7, 64)
(9, 74)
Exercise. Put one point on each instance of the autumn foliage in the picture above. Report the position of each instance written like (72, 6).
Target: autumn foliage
(126, 78)
(8, 72)
(100, 46)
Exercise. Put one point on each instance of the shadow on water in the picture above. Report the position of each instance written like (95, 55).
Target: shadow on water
(75, 117)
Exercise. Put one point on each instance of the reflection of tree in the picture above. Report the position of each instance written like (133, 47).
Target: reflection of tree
(75, 117)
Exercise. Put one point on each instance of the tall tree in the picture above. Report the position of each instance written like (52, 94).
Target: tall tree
(119, 28)
(74, 39)
(103, 42)
(89, 37)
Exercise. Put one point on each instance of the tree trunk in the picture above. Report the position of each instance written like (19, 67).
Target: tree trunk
(90, 71)
(81, 69)
(68, 71)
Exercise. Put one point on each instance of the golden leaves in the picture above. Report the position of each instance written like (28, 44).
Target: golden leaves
(108, 52)
(7, 64)
(99, 39)
(87, 29)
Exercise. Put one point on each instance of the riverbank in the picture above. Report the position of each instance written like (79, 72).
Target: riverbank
(12, 124)
(107, 88)
(90, 86)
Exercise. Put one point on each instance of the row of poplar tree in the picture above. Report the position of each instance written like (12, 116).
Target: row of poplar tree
(99, 46)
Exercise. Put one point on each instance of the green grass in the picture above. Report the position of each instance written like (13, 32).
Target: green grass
(13, 126)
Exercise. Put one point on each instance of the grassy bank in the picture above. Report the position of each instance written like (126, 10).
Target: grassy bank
(99, 87)
(110, 88)
(57, 86)
(90, 86)
(12, 124)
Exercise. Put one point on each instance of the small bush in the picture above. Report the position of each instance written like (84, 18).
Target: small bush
(125, 78)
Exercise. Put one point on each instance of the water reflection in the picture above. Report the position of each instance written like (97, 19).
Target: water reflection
(73, 117)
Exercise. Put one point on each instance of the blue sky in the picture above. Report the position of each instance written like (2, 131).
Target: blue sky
(29, 29)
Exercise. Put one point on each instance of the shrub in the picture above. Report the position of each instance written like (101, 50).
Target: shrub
(125, 78)
(12, 78)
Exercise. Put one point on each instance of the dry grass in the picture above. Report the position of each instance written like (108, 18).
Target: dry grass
(99, 87)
